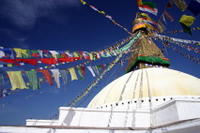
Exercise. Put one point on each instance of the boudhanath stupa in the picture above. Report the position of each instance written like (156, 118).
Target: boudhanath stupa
(149, 98)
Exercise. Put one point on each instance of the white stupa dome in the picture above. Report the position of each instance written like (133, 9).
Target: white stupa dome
(145, 83)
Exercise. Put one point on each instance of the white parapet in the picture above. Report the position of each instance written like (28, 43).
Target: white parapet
(171, 111)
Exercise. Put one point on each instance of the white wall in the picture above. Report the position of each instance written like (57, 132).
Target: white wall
(169, 112)
(103, 118)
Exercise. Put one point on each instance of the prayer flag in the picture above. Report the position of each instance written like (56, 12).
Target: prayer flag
(83, 2)
(80, 72)
(47, 76)
(56, 76)
(33, 80)
(73, 73)
(91, 70)
(16, 80)
(187, 20)
(168, 16)
(147, 6)
(181, 4)
(160, 26)
(64, 76)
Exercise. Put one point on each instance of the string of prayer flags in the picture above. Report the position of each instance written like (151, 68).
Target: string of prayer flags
(129, 44)
(194, 7)
(48, 61)
(147, 6)
(58, 57)
(181, 4)
(106, 16)
(174, 40)
(30, 79)
(178, 31)
(186, 55)
(187, 47)
(55, 57)
(168, 16)
(186, 21)
(87, 90)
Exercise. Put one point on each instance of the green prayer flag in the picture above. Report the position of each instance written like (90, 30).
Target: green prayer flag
(33, 80)
(79, 72)
(150, 4)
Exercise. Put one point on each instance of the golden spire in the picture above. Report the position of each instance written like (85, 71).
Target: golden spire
(147, 53)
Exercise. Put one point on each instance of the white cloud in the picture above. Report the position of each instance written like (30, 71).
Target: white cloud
(24, 13)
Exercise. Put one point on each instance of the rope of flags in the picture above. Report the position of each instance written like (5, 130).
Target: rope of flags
(118, 58)
(192, 58)
(188, 48)
(59, 57)
(106, 16)
(9, 53)
(88, 89)
(186, 55)
(29, 79)
(172, 40)
(185, 20)
(181, 44)
(181, 31)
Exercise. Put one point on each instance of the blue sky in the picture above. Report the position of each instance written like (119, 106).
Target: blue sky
(68, 25)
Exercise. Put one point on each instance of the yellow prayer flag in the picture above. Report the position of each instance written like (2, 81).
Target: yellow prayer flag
(20, 53)
(144, 15)
(91, 56)
(16, 80)
(83, 2)
(10, 65)
(73, 74)
(75, 54)
(102, 12)
(187, 20)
